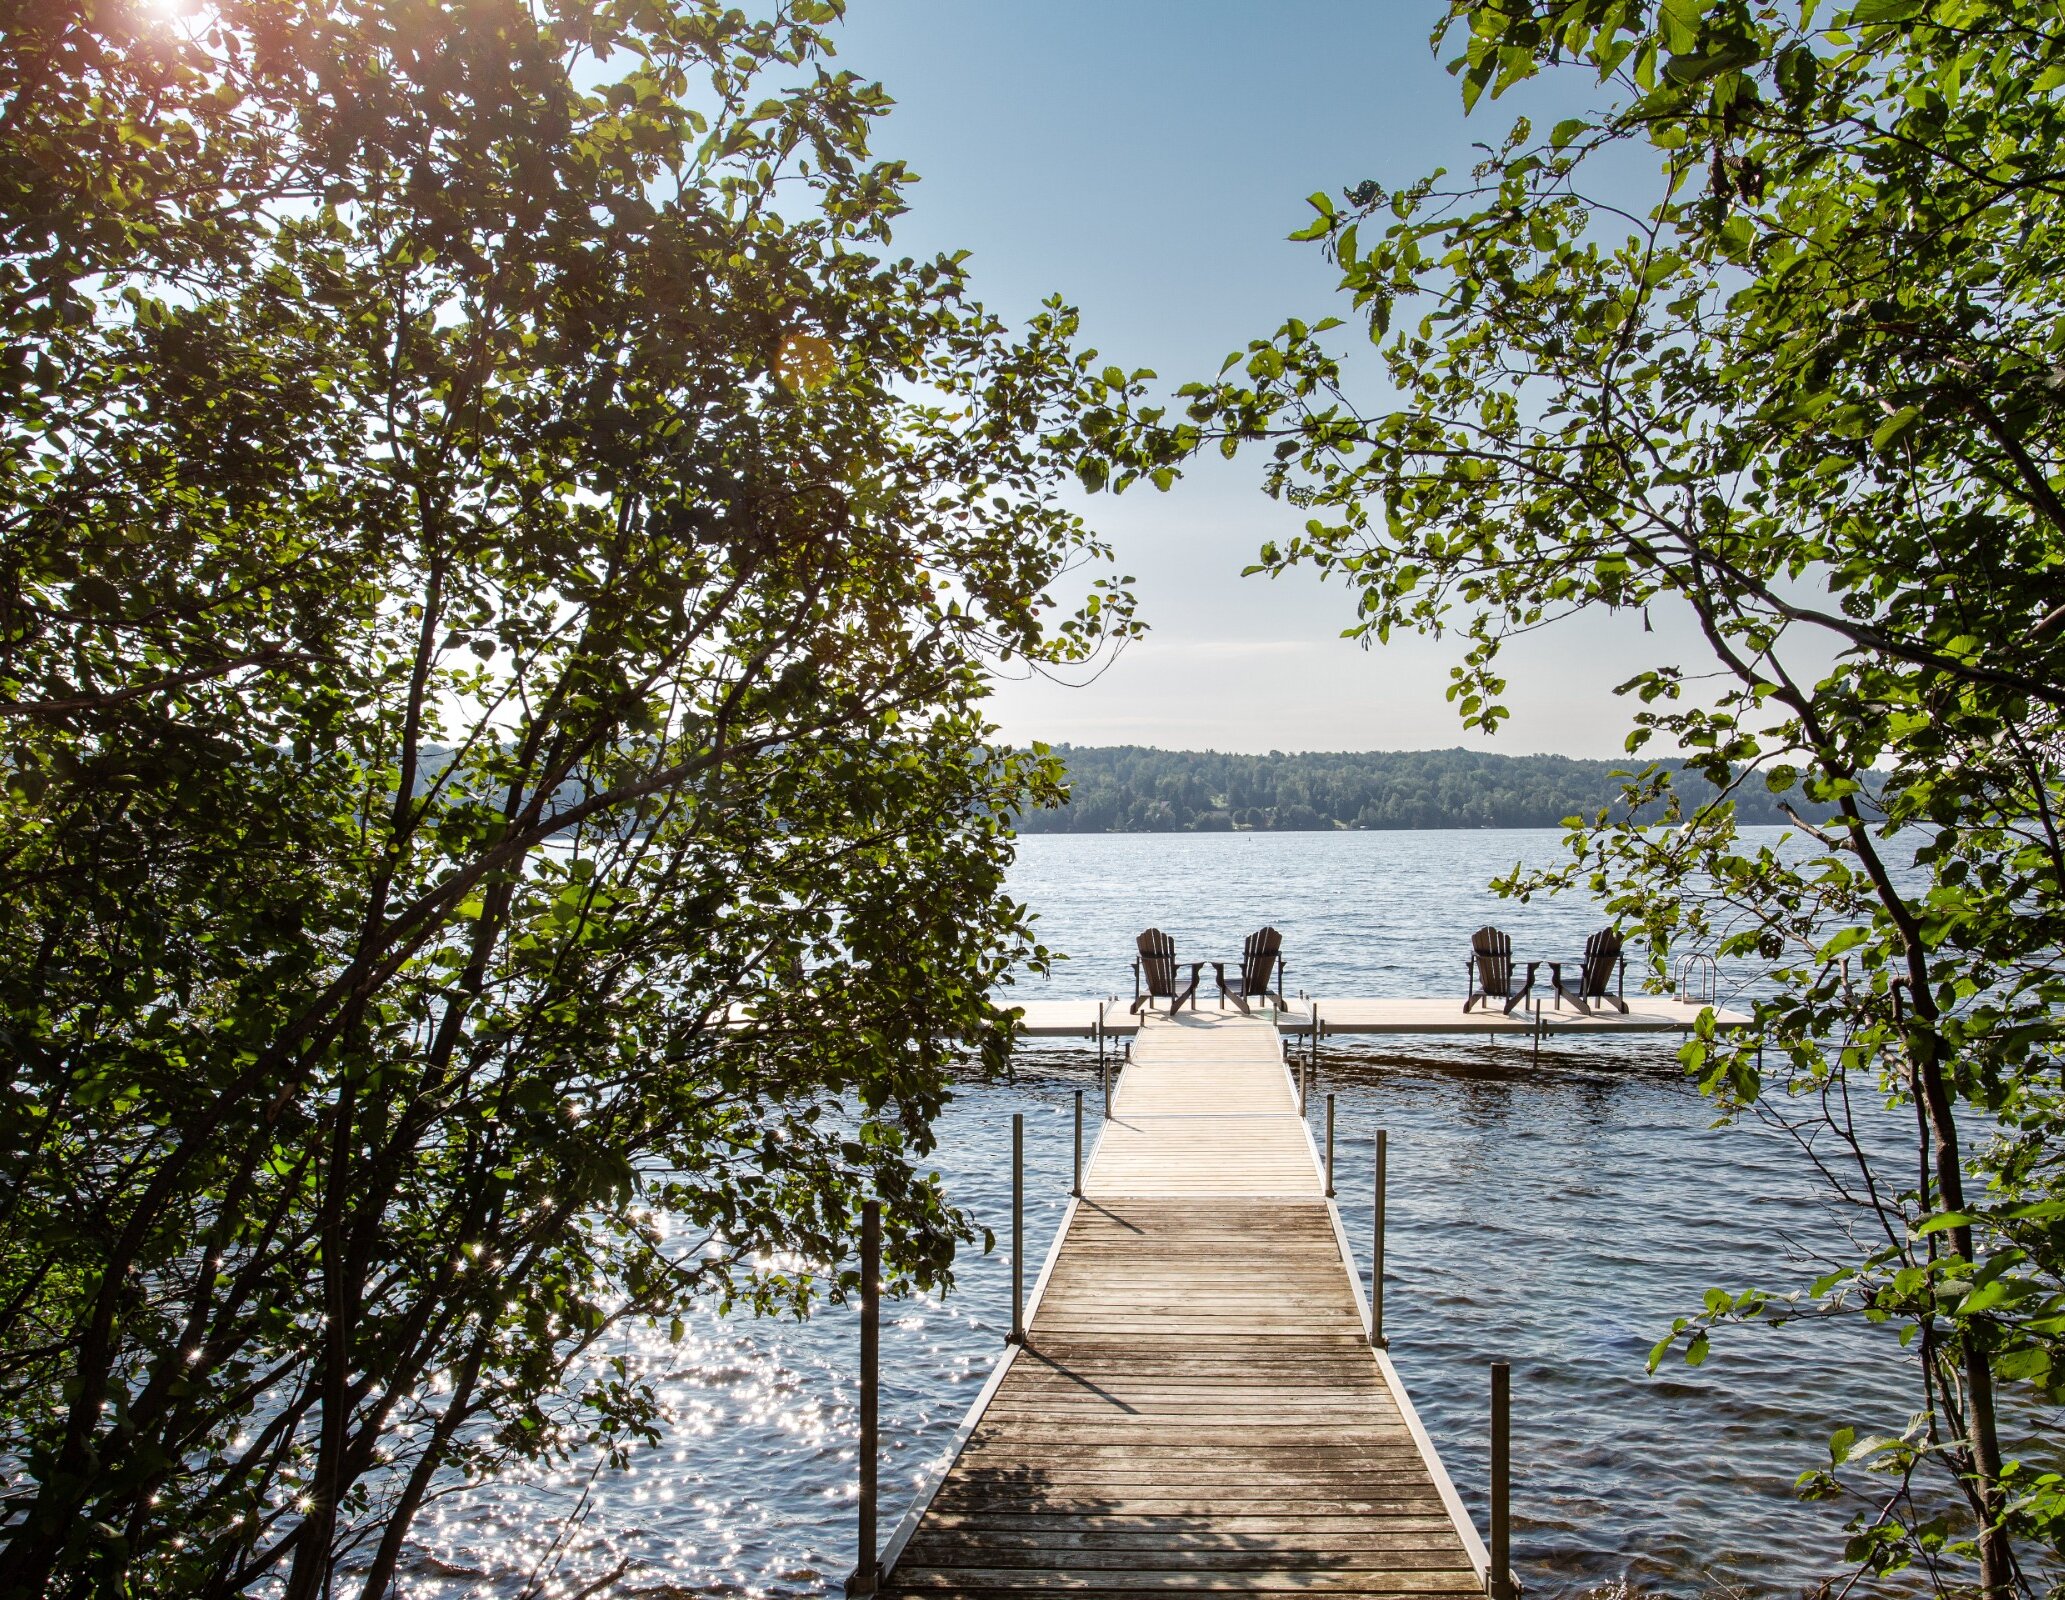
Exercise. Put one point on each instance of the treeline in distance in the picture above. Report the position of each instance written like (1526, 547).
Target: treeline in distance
(1136, 789)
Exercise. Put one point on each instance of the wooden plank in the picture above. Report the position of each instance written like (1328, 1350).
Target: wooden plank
(917, 1579)
(1056, 1541)
(1197, 1408)
(1381, 1558)
(1390, 1014)
(1281, 1524)
(1645, 1014)
(1234, 1508)
(1421, 1015)
(1205, 1499)
(1364, 1589)
(1059, 1019)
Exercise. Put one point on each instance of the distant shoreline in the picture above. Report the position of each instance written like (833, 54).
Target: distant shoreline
(1141, 789)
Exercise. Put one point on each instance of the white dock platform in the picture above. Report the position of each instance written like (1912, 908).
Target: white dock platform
(1645, 1014)
(1113, 1019)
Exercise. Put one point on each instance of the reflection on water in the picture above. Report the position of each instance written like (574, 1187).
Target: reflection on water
(1556, 1217)
(751, 1492)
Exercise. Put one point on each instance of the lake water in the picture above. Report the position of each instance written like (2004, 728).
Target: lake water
(1556, 1216)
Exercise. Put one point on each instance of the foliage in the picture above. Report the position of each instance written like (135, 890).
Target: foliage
(1129, 789)
(1800, 388)
(499, 834)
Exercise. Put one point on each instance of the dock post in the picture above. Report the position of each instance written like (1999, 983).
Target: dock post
(1018, 1227)
(1500, 1584)
(1076, 1189)
(867, 1571)
(1330, 1147)
(1376, 1277)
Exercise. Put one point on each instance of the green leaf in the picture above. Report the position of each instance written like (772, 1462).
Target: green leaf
(1895, 426)
(1690, 69)
(1474, 82)
(1678, 24)
(1844, 941)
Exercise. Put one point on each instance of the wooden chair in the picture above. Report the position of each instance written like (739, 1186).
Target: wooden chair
(1157, 965)
(1603, 961)
(1490, 968)
(1261, 957)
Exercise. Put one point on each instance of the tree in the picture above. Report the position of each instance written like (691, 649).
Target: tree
(1803, 390)
(499, 831)
(1380, 789)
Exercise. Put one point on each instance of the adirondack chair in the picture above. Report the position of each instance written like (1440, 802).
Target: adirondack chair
(1490, 969)
(1156, 965)
(1603, 962)
(1261, 958)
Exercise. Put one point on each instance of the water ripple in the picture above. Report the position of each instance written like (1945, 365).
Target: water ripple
(1556, 1217)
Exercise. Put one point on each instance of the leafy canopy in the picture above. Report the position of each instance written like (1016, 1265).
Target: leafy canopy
(1797, 397)
(498, 831)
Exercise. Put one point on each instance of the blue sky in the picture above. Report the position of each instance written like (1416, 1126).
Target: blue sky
(1146, 159)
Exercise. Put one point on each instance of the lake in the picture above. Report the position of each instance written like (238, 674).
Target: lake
(1556, 1216)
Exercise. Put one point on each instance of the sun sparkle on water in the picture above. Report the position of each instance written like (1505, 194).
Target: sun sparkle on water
(1582, 1248)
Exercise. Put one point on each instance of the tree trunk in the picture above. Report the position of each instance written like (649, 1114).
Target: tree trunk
(1996, 1559)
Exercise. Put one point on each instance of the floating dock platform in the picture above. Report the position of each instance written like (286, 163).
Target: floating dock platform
(1112, 1019)
(1198, 1405)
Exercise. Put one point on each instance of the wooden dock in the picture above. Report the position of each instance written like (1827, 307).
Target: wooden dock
(1197, 1406)
(1111, 1019)
(1645, 1014)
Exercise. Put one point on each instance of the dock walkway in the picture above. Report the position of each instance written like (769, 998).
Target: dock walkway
(1646, 1014)
(1197, 1406)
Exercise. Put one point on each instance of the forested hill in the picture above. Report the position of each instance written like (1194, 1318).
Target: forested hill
(1132, 789)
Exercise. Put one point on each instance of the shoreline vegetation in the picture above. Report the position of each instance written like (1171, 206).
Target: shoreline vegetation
(1139, 789)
